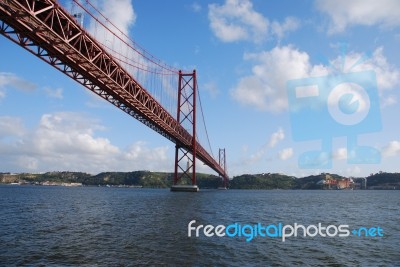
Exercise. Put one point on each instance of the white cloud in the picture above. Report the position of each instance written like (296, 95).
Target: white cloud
(11, 126)
(69, 141)
(280, 29)
(54, 93)
(67, 133)
(237, 20)
(265, 87)
(286, 153)
(276, 137)
(388, 76)
(340, 154)
(344, 13)
(121, 14)
(392, 149)
(138, 150)
(12, 80)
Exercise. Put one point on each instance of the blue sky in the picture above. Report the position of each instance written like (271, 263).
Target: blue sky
(244, 52)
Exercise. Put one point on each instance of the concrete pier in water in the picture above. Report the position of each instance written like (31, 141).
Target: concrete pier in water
(184, 188)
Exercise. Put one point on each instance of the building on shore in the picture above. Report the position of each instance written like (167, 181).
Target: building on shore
(330, 183)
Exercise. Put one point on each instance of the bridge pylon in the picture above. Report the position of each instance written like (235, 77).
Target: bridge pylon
(222, 163)
(185, 154)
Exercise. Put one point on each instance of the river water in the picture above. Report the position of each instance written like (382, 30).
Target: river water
(93, 226)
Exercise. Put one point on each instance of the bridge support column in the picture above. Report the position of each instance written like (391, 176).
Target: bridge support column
(185, 154)
(222, 163)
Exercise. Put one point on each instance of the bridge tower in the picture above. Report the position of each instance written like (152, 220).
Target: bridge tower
(185, 154)
(222, 163)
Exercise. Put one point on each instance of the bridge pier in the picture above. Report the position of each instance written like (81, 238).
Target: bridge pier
(184, 188)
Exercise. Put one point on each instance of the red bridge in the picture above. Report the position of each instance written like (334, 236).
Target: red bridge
(107, 62)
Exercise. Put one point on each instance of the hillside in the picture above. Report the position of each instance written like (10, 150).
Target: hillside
(149, 179)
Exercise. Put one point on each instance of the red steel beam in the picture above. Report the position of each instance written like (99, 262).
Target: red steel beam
(46, 30)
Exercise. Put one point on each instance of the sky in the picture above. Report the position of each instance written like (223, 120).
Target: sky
(338, 58)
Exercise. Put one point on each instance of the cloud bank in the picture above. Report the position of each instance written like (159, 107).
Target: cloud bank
(70, 141)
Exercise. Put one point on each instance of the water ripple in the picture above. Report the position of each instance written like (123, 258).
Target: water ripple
(56, 226)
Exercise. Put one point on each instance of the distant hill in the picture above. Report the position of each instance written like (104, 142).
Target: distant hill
(263, 181)
(381, 180)
(384, 180)
(135, 178)
(311, 182)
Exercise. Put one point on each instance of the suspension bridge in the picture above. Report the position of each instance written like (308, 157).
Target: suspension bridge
(86, 46)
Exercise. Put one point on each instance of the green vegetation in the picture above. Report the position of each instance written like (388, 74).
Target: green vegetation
(149, 179)
(384, 179)
(263, 181)
(136, 178)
